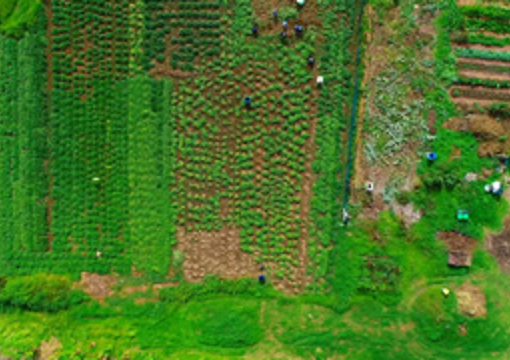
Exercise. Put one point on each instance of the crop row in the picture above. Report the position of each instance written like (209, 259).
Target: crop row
(480, 38)
(480, 93)
(23, 149)
(489, 83)
(487, 68)
(497, 13)
(482, 54)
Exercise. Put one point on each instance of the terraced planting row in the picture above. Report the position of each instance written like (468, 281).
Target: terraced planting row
(483, 56)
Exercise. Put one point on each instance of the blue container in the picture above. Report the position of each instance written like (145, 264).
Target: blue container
(431, 156)
(262, 279)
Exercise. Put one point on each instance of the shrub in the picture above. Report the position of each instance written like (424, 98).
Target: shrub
(40, 292)
(211, 286)
(289, 13)
(403, 197)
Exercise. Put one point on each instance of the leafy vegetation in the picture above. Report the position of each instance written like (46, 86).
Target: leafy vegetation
(18, 15)
(123, 130)
(40, 293)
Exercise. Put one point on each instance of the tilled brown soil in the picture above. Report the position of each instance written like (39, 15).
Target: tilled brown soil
(499, 246)
(214, 252)
(490, 132)
(484, 74)
(483, 47)
(483, 62)
(97, 286)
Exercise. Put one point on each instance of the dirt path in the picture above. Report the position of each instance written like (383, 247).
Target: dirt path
(359, 176)
(468, 103)
(49, 36)
(484, 74)
(498, 244)
(483, 62)
(482, 47)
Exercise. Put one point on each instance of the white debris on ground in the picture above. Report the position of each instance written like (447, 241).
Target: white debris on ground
(407, 213)
(471, 177)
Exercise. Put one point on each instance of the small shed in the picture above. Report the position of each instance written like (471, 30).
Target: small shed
(460, 258)
(460, 248)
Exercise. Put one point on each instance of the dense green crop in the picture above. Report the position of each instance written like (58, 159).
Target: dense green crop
(482, 54)
(40, 293)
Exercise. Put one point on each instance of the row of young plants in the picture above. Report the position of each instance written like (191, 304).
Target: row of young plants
(497, 13)
(23, 147)
(481, 38)
(488, 83)
(335, 63)
(481, 54)
(487, 67)
(172, 26)
(480, 93)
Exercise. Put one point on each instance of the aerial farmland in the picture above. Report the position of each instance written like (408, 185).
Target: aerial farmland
(254, 179)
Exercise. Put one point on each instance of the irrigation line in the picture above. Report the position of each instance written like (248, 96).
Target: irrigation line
(352, 126)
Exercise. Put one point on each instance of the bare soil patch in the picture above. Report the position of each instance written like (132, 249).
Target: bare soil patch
(369, 66)
(160, 71)
(471, 301)
(456, 241)
(488, 130)
(407, 213)
(484, 74)
(214, 252)
(483, 62)
(48, 349)
(499, 246)
(97, 286)
(466, 2)
(128, 290)
(431, 122)
(483, 47)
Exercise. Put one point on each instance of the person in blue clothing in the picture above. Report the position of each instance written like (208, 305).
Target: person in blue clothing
(285, 25)
(275, 14)
(299, 30)
(255, 30)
